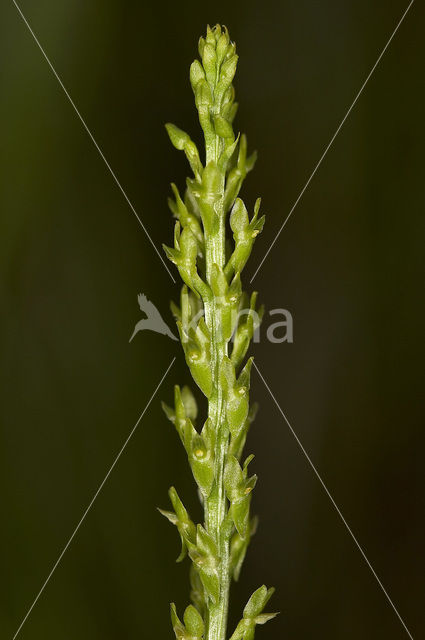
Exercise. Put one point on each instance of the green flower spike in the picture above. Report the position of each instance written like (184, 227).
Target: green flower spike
(216, 323)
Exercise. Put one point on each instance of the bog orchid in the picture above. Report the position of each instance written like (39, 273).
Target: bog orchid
(216, 321)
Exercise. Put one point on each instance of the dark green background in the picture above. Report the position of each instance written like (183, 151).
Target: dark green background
(348, 265)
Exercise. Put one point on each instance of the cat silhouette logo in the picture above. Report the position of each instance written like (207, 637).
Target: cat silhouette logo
(153, 322)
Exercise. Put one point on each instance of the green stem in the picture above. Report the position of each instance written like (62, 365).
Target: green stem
(216, 507)
(216, 510)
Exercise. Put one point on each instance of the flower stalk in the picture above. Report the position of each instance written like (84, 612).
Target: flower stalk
(216, 322)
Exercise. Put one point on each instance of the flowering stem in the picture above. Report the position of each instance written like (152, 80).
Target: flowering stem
(213, 311)
(216, 507)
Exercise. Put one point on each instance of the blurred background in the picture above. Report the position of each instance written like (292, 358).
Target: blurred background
(349, 266)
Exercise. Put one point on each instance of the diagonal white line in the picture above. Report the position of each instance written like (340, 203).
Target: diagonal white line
(92, 501)
(334, 504)
(130, 204)
(332, 139)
